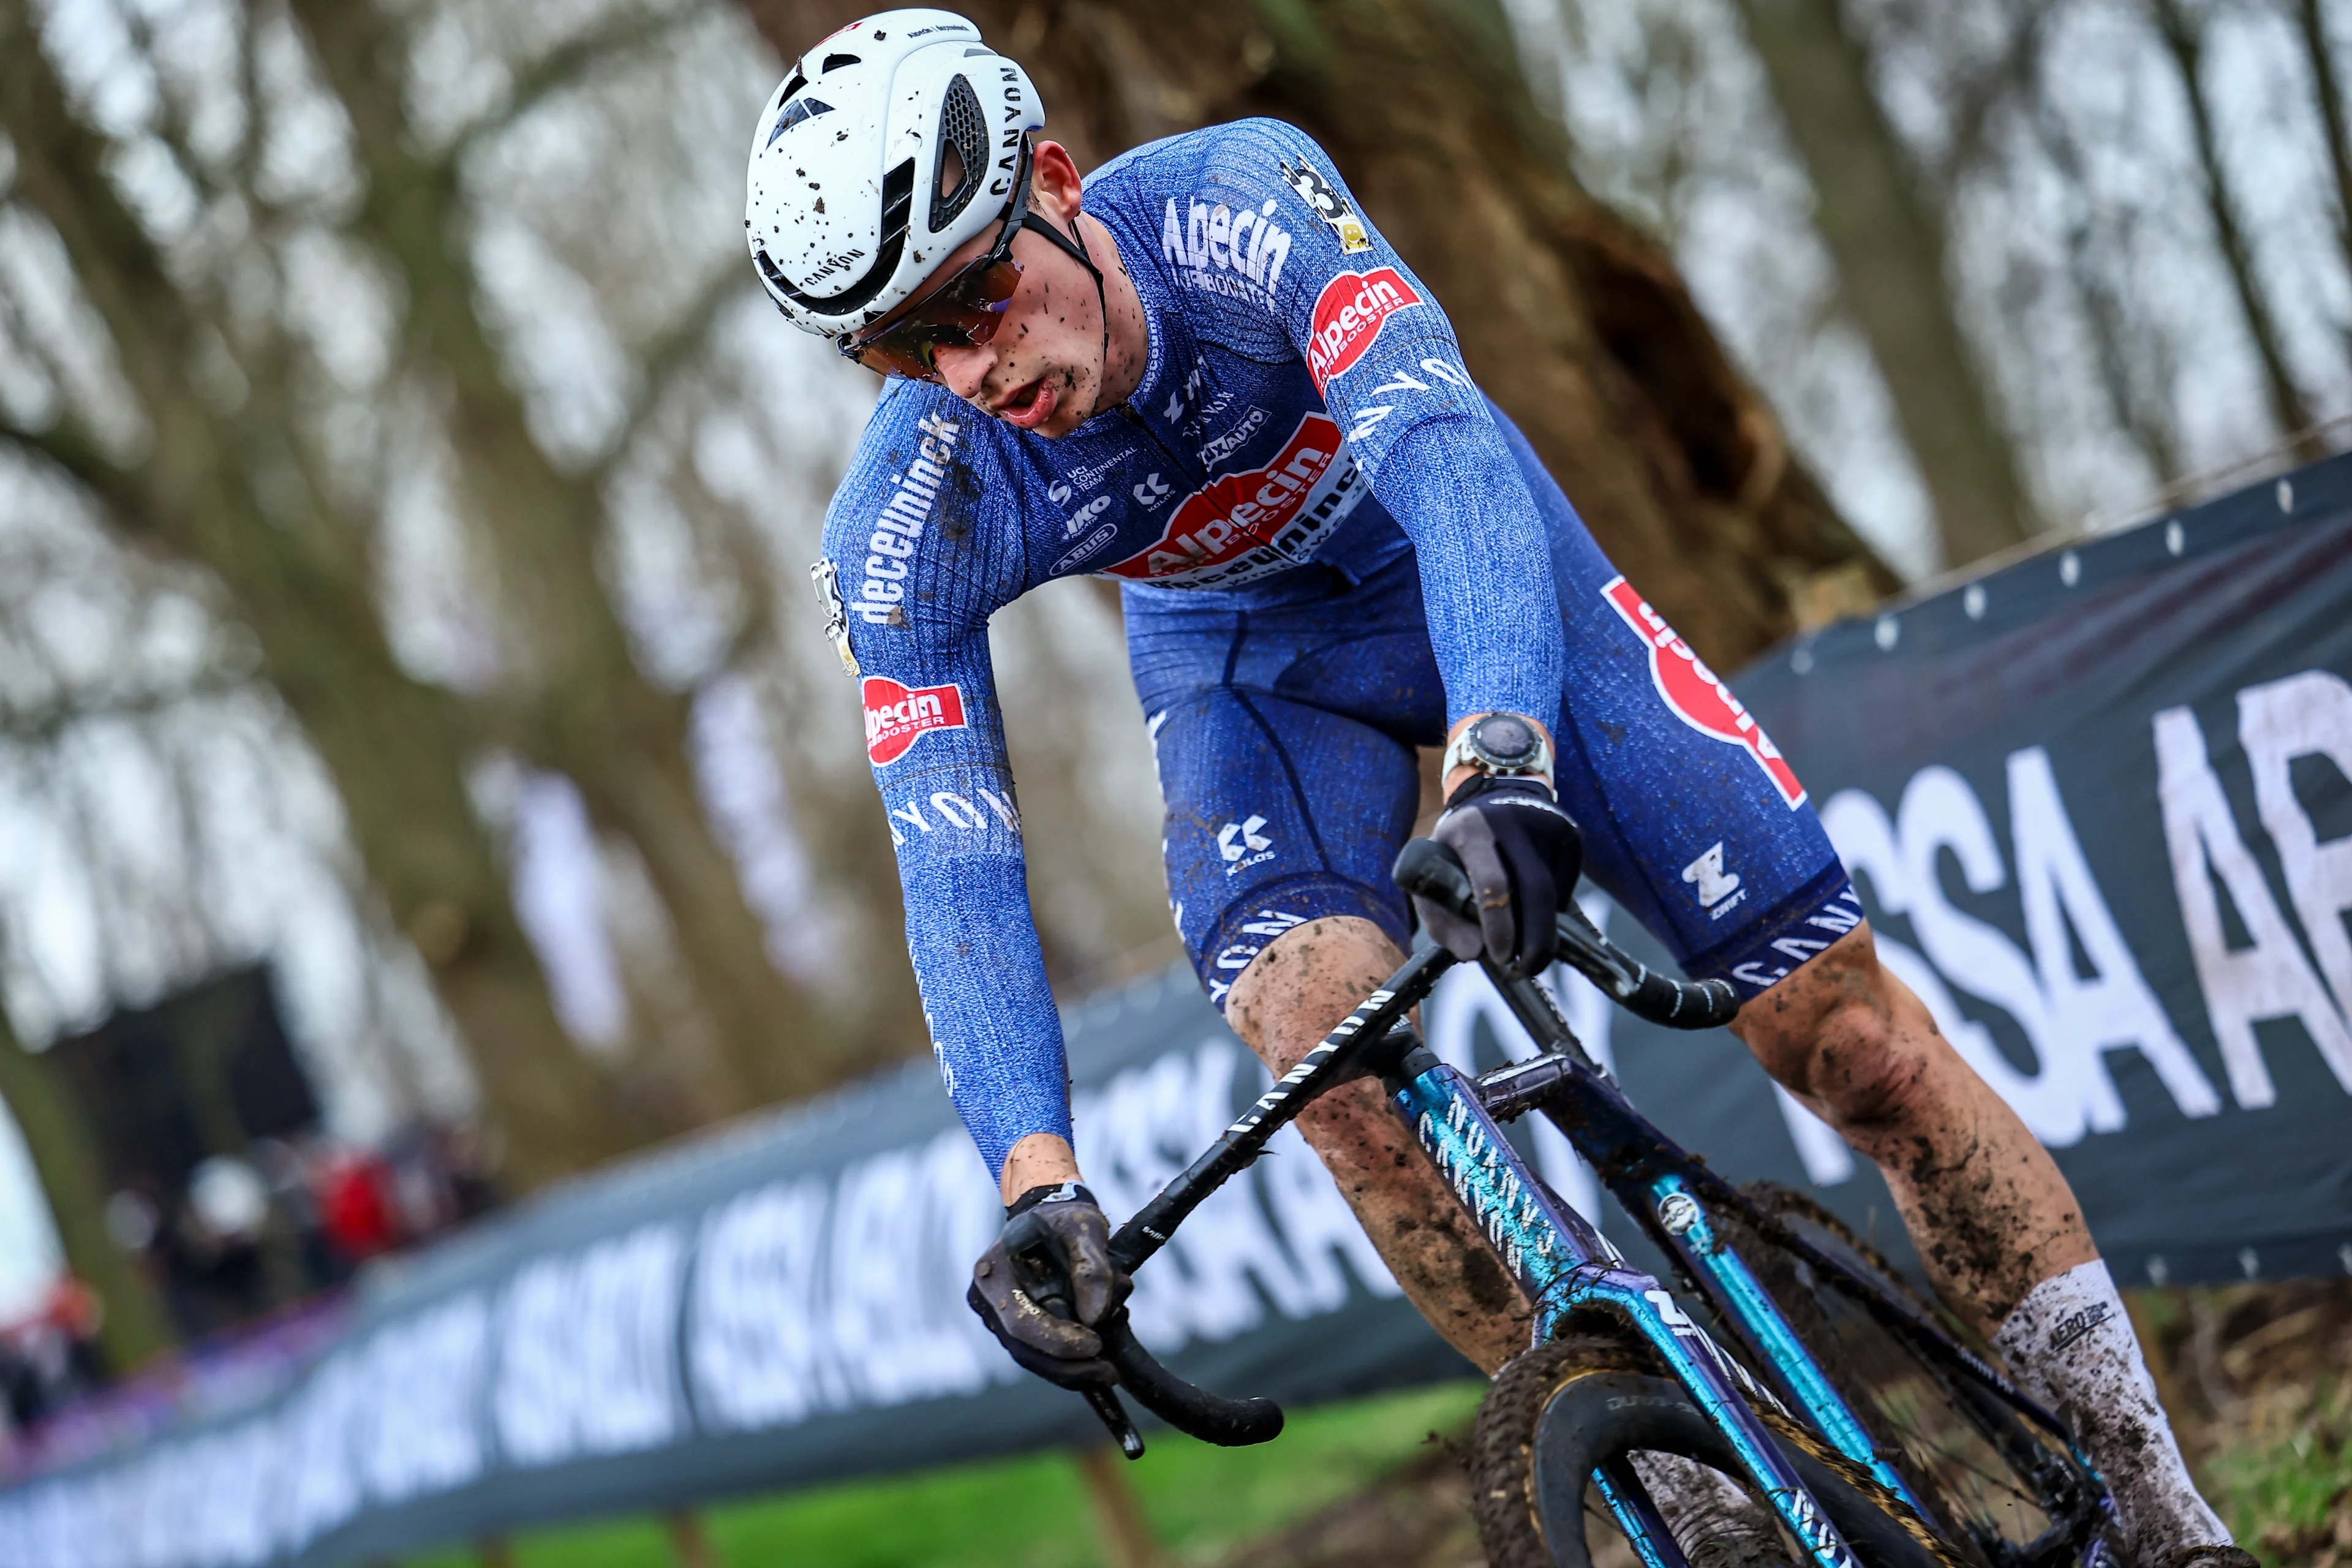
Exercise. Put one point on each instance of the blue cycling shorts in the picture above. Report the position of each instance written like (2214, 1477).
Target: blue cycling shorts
(1286, 721)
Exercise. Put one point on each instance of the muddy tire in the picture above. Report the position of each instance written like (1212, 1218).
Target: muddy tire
(1561, 1409)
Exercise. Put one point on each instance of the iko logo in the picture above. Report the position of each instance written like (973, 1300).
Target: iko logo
(1718, 890)
(1076, 523)
(1696, 695)
(1243, 845)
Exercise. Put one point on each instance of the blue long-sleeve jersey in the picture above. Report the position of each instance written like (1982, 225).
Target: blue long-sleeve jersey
(1304, 400)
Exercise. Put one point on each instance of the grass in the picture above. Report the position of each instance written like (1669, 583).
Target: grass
(1033, 1512)
(2286, 1487)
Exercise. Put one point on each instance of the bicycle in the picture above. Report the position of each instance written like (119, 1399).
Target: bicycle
(1810, 1377)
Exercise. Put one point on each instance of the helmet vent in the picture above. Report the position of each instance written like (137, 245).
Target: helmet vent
(835, 62)
(805, 109)
(963, 132)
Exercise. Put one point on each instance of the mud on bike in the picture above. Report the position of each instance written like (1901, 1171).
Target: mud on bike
(1793, 1381)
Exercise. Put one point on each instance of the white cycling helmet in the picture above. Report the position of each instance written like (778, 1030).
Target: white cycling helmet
(888, 144)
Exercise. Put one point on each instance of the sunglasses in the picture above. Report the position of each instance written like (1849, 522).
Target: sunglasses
(963, 311)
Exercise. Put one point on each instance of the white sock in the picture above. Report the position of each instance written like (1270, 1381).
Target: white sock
(2070, 1348)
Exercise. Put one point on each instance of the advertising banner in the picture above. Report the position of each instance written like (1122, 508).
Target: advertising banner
(2098, 805)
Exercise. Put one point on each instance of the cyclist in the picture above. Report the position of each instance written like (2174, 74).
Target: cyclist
(1204, 374)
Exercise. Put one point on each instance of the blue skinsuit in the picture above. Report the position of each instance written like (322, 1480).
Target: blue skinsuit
(1332, 546)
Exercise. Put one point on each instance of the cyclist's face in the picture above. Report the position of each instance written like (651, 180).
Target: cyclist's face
(1042, 370)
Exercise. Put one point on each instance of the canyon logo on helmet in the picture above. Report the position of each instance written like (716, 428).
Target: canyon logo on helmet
(888, 144)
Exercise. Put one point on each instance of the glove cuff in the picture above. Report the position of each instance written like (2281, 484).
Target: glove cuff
(1477, 785)
(1051, 1192)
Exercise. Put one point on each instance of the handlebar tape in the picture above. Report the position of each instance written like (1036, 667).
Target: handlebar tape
(1427, 869)
(1228, 1423)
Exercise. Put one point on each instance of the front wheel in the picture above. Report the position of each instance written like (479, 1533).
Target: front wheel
(1561, 1410)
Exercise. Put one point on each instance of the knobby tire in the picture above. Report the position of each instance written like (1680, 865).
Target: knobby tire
(1560, 1409)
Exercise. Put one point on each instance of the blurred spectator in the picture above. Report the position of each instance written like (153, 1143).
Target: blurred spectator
(50, 1356)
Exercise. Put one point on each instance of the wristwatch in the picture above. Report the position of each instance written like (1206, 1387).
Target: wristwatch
(1501, 744)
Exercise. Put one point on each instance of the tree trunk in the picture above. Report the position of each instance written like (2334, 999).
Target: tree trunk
(1571, 319)
(1888, 244)
(2184, 44)
(2327, 92)
(580, 704)
(230, 491)
(136, 1325)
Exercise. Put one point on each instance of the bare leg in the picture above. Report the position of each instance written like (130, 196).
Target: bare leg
(1995, 1223)
(1285, 1002)
(1983, 1201)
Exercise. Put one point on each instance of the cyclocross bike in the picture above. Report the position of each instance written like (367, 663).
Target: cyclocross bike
(1792, 1360)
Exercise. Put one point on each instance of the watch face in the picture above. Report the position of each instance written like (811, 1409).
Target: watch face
(1504, 740)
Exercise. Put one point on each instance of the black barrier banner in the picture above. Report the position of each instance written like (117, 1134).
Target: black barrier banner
(2099, 805)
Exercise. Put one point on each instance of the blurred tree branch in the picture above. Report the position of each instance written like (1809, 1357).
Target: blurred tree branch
(218, 487)
(2183, 37)
(1887, 240)
(583, 707)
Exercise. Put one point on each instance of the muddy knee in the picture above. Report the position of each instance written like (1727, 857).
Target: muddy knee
(1838, 1035)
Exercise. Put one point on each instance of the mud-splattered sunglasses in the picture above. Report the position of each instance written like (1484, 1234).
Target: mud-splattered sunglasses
(965, 311)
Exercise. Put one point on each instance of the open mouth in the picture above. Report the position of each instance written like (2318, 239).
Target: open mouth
(1028, 408)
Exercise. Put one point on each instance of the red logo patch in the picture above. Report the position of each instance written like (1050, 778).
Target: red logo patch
(1349, 314)
(896, 717)
(1696, 696)
(1237, 520)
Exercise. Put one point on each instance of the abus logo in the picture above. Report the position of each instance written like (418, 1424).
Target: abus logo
(1695, 694)
(1349, 314)
(897, 717)
(1244, 525)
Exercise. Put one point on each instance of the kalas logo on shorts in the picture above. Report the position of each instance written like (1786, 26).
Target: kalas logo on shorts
(1242, 525)
(1349, 314)
(1696, 695)
(897, 717)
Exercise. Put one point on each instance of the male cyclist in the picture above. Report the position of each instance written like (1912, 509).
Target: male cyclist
(1206, 374)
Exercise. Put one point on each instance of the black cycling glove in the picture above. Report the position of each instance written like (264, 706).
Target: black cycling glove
(1047, 1281)
(1523, 853)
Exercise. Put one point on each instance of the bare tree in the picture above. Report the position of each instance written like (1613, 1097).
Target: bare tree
(227, 481)
(1881, 222)
(2327, 96)
(2183, 37)
(135, 1325)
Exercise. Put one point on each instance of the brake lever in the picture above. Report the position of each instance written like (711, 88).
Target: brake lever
(1041, 1277)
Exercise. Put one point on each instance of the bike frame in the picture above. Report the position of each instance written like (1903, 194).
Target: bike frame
(1564, 1265)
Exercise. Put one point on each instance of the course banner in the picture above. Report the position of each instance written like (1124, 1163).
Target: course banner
(2098, 805)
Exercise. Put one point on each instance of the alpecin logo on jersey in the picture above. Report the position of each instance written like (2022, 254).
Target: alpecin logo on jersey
(1696, 695)
(899, 716)
(1349, 315)
(1245, 525)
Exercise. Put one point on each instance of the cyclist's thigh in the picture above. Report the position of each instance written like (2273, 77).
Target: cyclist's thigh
(1691, 822)
(1283, 807)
